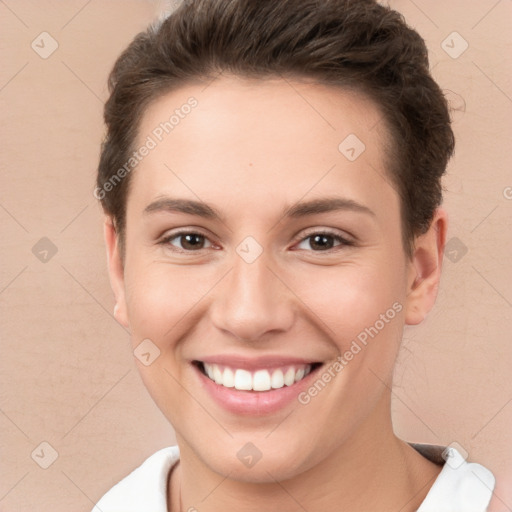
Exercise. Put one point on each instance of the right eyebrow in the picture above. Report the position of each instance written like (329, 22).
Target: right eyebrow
(170, 204)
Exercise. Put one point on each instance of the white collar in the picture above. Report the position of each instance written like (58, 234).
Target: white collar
(461, 485)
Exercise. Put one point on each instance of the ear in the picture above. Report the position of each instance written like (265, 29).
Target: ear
(425, 269)
(116, 271)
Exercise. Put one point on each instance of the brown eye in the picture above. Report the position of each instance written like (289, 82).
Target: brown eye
(187, 241)
(323, 242)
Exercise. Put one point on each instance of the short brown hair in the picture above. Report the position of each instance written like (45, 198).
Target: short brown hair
(354, 44)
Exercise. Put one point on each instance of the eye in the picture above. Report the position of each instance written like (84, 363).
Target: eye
(323, 241)
(191, 241)
(188, 241)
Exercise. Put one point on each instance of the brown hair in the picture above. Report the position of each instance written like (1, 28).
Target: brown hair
(354, 44)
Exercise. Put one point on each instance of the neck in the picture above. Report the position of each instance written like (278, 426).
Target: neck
(371, 470)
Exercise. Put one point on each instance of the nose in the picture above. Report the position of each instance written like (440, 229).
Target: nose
(252, 301)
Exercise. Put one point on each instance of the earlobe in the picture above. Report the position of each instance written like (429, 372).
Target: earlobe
(116, 271)
(425, 269)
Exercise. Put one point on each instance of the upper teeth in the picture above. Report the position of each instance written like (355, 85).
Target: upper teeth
(260, 380)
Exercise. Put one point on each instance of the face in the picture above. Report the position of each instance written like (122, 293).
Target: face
(263, 247)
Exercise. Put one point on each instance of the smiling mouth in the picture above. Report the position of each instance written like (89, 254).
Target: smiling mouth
(264, 379)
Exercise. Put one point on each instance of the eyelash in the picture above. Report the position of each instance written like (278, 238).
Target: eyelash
(337, 237)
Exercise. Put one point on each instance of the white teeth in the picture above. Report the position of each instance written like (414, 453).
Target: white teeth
(289, 377)
(260, 380)
(243, 380)
(217, 375)
(228, 378)
(277, 379)
(299, 375)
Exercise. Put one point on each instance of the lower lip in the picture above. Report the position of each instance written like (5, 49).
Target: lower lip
(254, 403)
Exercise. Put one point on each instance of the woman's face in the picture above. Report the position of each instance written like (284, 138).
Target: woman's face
(263, 242)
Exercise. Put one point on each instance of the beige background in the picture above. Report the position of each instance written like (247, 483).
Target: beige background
(67, 373)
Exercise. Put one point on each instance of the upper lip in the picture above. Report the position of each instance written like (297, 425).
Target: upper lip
(255, 363)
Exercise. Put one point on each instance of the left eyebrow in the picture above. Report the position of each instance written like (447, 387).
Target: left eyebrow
(323, 205)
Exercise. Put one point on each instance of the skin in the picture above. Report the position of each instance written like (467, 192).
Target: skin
(251, 149)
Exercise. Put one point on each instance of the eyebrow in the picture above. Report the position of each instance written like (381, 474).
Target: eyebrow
(298, 210)
(325, 204)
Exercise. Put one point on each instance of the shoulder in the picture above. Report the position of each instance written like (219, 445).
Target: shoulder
(461, 485)
(145, 488)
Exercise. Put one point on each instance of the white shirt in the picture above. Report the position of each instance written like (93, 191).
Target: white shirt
(461, 486)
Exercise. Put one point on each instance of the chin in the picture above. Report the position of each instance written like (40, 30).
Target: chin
(266, 464)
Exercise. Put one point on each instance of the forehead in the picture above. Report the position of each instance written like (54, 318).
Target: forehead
(261, 140)
(267, 106)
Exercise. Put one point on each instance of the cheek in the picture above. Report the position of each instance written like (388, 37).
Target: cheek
(160, 296)
(160, 303)
(348, 299)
